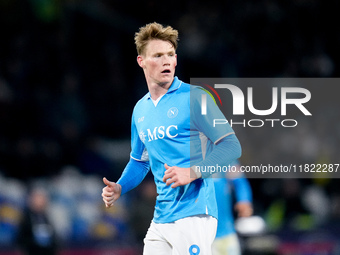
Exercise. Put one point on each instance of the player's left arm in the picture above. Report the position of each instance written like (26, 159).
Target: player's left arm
(226, 150)
(227, 147)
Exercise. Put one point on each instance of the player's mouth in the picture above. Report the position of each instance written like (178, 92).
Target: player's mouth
(166, 71)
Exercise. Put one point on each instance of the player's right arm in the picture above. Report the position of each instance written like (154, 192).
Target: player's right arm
(133, 174)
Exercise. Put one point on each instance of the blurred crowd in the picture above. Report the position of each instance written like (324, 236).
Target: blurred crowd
(69, 80)
(73, 210)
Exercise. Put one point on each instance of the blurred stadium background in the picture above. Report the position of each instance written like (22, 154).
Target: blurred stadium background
(69, 81)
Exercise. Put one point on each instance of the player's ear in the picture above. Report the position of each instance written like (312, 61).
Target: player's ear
(140, 61)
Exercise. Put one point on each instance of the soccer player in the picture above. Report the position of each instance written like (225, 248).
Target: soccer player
(171, 136)
(226, 241)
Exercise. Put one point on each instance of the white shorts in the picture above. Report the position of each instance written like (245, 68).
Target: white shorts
(188, 236)
(228, 245)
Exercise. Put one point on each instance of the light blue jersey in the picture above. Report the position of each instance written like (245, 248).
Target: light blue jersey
(175, 132)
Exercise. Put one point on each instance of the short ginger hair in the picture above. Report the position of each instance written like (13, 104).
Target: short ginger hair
(154, 31)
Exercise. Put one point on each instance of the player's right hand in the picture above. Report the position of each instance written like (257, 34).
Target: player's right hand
(111, 192)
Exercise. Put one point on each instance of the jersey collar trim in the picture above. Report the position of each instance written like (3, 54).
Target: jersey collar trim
(176, 84)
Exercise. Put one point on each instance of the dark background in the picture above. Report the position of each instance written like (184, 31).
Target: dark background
(69, 80)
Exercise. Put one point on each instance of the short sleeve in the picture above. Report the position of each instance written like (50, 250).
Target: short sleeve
(138, 149)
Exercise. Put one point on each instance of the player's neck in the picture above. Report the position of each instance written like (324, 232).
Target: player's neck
(157, 90)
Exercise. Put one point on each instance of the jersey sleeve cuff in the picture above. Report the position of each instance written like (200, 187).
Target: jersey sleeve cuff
(219, 139)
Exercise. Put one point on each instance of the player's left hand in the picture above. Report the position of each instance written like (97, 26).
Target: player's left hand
(179, 176)
(244, 209)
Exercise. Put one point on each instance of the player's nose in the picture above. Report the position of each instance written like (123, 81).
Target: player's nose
(166, 60)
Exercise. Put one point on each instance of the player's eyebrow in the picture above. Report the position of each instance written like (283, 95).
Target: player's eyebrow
(162, 53)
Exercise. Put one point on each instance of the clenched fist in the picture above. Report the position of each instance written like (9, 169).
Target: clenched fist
(111, 192)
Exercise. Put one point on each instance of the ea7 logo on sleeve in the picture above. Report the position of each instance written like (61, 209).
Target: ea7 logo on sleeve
(161, 132)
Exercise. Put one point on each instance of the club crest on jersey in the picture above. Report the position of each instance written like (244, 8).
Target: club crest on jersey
(172, 113)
